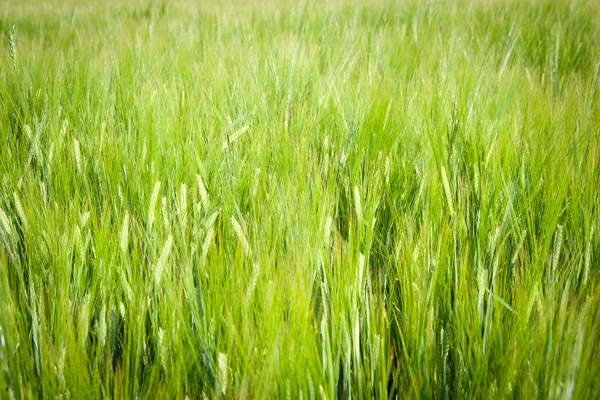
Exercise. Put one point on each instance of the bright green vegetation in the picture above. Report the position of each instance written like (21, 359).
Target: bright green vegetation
(300, 201)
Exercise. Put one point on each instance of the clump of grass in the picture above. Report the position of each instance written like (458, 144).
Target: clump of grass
(342, 199)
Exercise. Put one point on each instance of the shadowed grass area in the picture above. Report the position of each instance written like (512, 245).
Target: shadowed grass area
(300, 201)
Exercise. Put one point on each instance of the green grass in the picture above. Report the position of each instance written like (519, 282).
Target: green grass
(311, 201)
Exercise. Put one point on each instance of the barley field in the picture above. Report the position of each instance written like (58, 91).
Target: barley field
(301, 200)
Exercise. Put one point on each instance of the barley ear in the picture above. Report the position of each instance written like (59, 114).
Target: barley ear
(222, 363)
(183, 205)
(77, 152)
(124, 239)
(447, 191)
(557, 247)
(357, 204)
(12, 45)
(202, 190)
(5, 223)
(20, 212)
(152, 206)
(160, 264)
(240, 234)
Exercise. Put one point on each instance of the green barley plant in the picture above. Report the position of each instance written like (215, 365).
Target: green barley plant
(280, 199)
(12, 45)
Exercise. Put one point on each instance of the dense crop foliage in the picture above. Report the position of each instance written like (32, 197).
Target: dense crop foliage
(306, 201)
